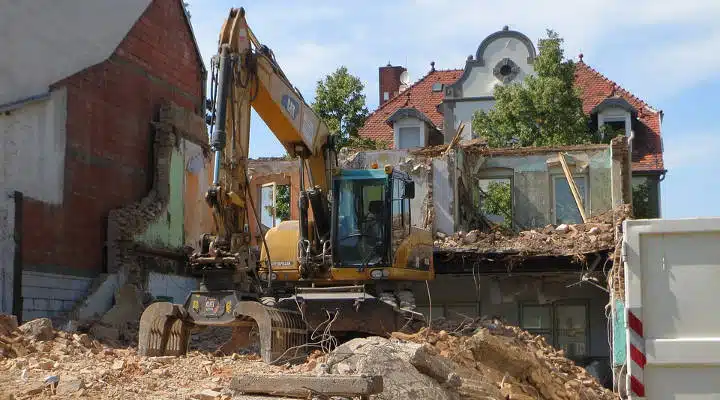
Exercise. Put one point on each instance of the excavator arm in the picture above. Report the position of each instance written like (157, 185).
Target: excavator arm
(245, 74)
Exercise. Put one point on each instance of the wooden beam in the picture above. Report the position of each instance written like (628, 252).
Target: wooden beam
(304, 385)
(573, 187)
(455, 139)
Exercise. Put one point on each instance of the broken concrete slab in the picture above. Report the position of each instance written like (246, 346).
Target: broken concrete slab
(389, 359)
(303, 385)
(39, 329)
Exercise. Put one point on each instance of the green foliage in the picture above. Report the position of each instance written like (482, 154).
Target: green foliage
(339, 101)
(543, 110)
(641, 201)
(282, 203)
(497, 200)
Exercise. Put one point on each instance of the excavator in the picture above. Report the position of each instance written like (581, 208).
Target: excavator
(343, 269)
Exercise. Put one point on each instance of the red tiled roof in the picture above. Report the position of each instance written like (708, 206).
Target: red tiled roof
(647, 144)
(419, 96)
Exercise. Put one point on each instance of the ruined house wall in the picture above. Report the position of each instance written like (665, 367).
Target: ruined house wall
(532, 182)
(7, 250)
(457, 296)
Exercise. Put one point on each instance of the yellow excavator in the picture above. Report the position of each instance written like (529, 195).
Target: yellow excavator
(344, 272)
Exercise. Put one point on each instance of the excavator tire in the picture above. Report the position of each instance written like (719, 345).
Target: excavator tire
(163, 330)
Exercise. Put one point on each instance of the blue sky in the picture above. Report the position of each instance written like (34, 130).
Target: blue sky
(664, 51)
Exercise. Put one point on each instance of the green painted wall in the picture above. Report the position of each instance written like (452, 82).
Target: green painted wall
(167, 229)
(619, 339)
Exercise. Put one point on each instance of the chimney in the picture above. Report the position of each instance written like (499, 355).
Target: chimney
(389, 82)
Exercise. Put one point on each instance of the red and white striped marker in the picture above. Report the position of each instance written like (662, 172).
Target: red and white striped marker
(636, 350)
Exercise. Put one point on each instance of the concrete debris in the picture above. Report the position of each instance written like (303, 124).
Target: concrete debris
(453, 360)
(38, 329)
(562, 228)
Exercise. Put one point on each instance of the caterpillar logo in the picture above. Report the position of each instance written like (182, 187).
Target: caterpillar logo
(281, 263)
(291, 106)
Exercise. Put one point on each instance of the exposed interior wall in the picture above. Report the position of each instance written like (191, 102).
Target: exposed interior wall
(198, 169)
(533, 175)
(174, 288)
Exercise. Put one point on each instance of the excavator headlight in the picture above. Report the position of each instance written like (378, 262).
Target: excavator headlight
(388, 169)
(386, 273)
(376, 274)
(273, 276)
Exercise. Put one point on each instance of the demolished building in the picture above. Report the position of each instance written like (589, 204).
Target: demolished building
(103, 152)
(542, 264)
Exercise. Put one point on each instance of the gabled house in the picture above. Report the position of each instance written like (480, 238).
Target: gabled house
(415, 115)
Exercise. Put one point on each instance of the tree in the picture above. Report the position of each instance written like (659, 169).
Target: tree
(543, 110)
(641, 201)
(282, 203)
(339, 101)
(497, 200)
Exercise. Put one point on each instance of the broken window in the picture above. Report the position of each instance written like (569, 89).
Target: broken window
(564, 326)
(400, 213)
(409, 137)
(566, 209)
(495, 200)
(274, 204)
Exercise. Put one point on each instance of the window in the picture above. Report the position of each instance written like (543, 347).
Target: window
(409, 137)
(437, 87)
(564, 325)
(645, 197)
(386, 96)
(360, 223)
(495, 200)
(566, 210)
(274, 204)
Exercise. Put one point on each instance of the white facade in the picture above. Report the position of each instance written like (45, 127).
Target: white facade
(409, 133)
(32, 148)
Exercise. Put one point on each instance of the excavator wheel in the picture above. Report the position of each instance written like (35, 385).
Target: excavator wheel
(163, 331)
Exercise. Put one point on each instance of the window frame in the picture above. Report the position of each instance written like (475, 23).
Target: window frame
(553, 332)
(409, 123)
(497, 174)
(585, 194)
(616, 115)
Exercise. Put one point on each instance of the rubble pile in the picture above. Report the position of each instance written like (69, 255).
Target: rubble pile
(563, 240)
(45, 363)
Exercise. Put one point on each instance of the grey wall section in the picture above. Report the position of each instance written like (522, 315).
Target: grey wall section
(46, 41)
(49, 295)
(443, 194)
(456, 296)
(7, 250)
(174, 286)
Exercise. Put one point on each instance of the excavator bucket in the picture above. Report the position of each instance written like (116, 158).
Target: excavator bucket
(282, 333)
(163, 330)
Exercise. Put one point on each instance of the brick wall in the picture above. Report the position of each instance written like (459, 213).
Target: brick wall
(110, 107)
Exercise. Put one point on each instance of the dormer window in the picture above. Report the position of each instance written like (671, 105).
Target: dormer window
(614, 114)
(437, 87)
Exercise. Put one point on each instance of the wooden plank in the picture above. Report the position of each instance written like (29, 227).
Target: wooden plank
(304, 385)
(573, 187)
(455, 139)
